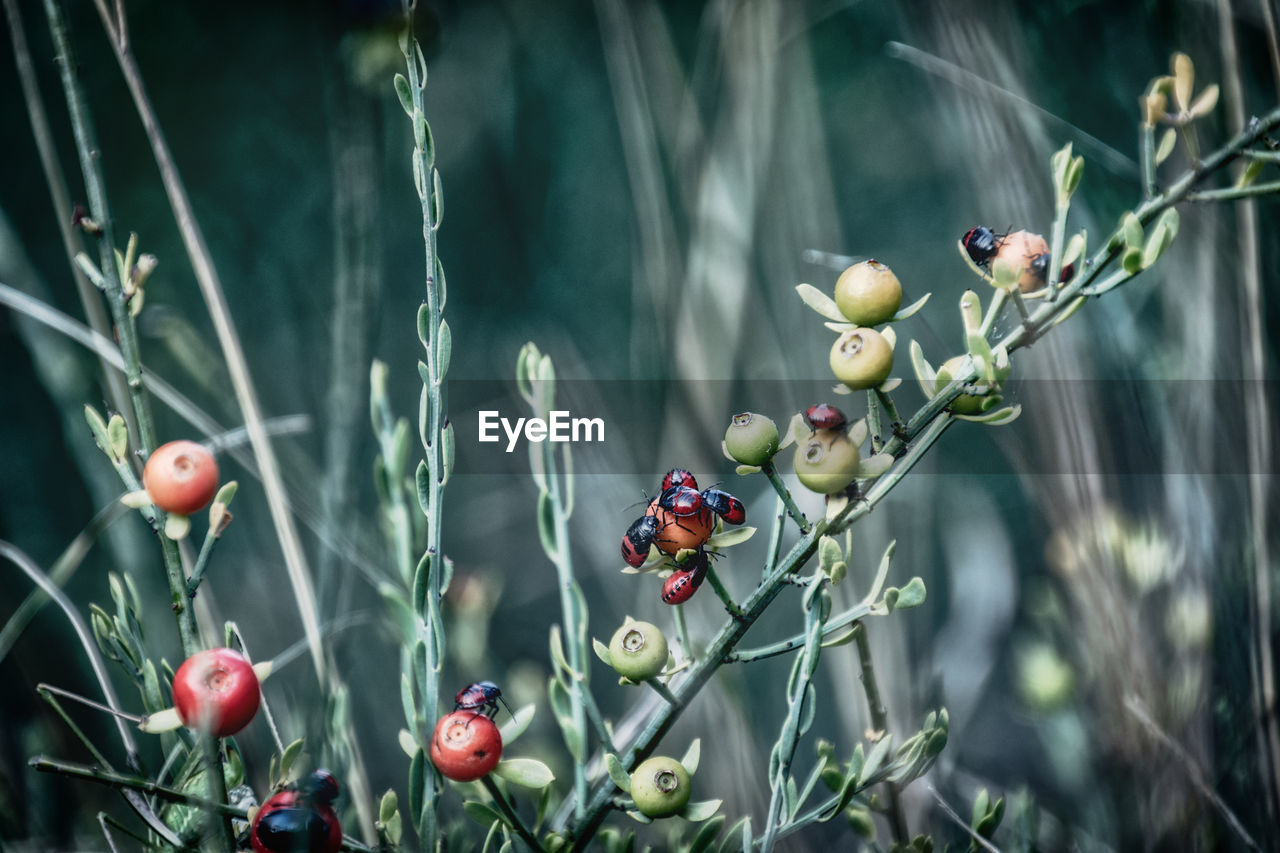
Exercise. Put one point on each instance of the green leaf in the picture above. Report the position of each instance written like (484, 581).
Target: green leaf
(388, 806)
(617, 773)
(745, 470)
(820, 302)
(706, 835)
(557, 652)
(547, 526)
(729, 538)
(448, 449)
(99, 429)
(288, 758)
(904, 313)
(407, 743)
(1131, 260)
(514, 727)
(526, 772)
(118, 435)
(738, 837)
(828, 553)
(1075, 248)
(1165, 148)
(437, 199)
(407, 703)
(701, 810)
(692, 756)
(874, 759)
(1131, 230)
(428, 146)
(602, 651)
(1001, 417)
(404, 94)
(483, 813)
(911, 595)
(875, 466)
(417, 781)
(1075, 173)
(925, 374)
(444, 350)
(424, 325)
(837, 574)
(422, 484)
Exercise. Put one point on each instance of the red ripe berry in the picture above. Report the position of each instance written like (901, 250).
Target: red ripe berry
(181, 477)
(465, 746)
(216, 691)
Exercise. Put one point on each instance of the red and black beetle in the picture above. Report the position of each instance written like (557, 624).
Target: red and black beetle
(482, 697)
(824, 416)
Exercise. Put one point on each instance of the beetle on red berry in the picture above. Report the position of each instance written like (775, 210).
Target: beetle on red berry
(482, 697)
(678, 477)
(299, 818)
(684, 582)
(637, 539)
(724, 505)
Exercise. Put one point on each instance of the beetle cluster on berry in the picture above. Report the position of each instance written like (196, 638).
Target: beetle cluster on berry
(679, 518)
(299, 818)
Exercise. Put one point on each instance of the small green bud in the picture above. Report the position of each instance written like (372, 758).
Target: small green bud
(638, 650)
(868, 293)
(861, 358)
(660, 787)
(827, 463)
(751, 439)
(965, 404)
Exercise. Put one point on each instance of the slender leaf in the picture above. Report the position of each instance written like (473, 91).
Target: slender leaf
(526, 772)
(820, 302)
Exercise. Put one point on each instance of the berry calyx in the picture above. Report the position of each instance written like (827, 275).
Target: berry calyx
(638, 650)
(861, 358)
(660, 787)
(216, 691)
(181, 477)
(965, 404)
(827, 463)
(751, 439)
(465, 746)
(868, 293)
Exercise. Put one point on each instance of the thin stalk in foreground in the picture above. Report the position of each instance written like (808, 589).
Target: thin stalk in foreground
(880, 720)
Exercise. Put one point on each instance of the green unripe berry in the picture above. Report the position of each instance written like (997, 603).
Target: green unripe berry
(861, 358)
(660, 787)
(751, 439)
(638, 650)
(827, 463)
(868, 293)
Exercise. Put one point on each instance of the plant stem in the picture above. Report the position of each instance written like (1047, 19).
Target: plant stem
(1147, 152)
(873, 417)
(1233, 193)
(44, 764)
(895, 422)
(880, 721)
(796, 642)
(784, 494)
(993, 311)
(202, 561)
(510, 813)
(662, 690)
(718, 586)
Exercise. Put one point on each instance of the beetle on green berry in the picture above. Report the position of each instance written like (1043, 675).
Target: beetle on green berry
(824, 416)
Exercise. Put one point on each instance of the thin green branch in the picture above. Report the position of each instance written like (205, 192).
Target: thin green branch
(1233, 193)
(510, 813)
(44, 764)
(895, 421)
(784, 495)
(1147, 151)
(722, 592)
(662, 690)
(880, 721)
(796, 641)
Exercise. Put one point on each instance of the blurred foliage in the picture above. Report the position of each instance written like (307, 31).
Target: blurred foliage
(638, 187)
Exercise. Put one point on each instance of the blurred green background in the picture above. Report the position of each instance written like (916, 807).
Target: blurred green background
(638, 187)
